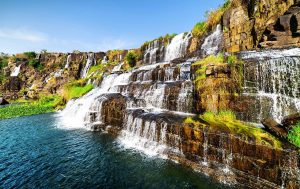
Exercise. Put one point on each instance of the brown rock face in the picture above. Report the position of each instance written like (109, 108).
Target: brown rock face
(275, 128)
(3, 101)
(218, 89)
(113, 109)
(289, 121)
(246, 23)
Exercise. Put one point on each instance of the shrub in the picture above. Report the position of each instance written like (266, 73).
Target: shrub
(294, 135)
(3, 62)
(35, 64)
(30, 55)
(131, 58)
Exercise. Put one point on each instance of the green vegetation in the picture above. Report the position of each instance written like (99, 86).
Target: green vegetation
(165, 39)
(213, 18)
(114, 54)
(43, 105)
(76, 89)
(294, 135)
(36, 64)
(131, 58)
(30, 55)
(3, 63)
(226, 121)
(231, 60)
(202, 66)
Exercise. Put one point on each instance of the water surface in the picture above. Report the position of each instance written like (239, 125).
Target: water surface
(36, 153)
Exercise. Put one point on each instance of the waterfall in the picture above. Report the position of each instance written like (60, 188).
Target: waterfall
(212, 43)
(118, 67)
(150, 53)
(68, 62)
(77, 112)
(275, 81)
(178, 46)
(89, 63)
(105, 60)
(144, 135)
(16, 71)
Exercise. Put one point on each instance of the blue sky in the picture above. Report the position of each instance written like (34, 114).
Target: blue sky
(93, 25)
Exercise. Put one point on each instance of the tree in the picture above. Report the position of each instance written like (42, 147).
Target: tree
(131, 58)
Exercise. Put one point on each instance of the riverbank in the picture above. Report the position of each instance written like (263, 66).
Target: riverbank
(26, 108)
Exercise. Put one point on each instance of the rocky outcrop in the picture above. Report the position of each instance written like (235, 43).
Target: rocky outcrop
(245, 23)
(219, 88)
(3, 101)
(289, 121)
(275, 128)
(233, 158)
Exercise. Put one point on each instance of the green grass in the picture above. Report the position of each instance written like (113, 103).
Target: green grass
(43, 105)
(226, 121)
(76, 89)
(202, 66)
(199, 29)
(294, 135)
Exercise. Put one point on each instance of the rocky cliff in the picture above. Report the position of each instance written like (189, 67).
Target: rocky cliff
(190, 97)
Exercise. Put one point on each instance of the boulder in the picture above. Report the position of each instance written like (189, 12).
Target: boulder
(290, 121)
(3, 101)
(274, 128)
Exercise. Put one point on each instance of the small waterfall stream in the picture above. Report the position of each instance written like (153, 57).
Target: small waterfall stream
(212, 44)
(16, 71)
(273, 79)
(90, 61)
(178, 46)
(68, 62)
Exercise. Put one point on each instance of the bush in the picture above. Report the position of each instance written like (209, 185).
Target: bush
(30, 55)
(3, 62)
(35, 64)
(131, 58)
(294, 135)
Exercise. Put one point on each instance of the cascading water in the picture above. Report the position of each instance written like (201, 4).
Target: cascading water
(178, 46)
(147, 89)
(118, 67)
(212, 43)
(68, 62)
(89, 63)
(16, 71)
(275, 81)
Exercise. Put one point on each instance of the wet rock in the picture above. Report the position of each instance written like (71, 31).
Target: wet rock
(275, 128)
(289, 121)
(3, 101)
(113, 108)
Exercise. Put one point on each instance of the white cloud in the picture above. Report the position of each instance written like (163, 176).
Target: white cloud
(22, 34)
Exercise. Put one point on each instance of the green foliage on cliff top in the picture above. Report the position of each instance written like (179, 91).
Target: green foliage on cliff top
(131, 58)
(165, 39)
(231, 60)
(45, 104)
(102, 68)
(76, 89)
(213, 18)
(226, 121)
(294, 135)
